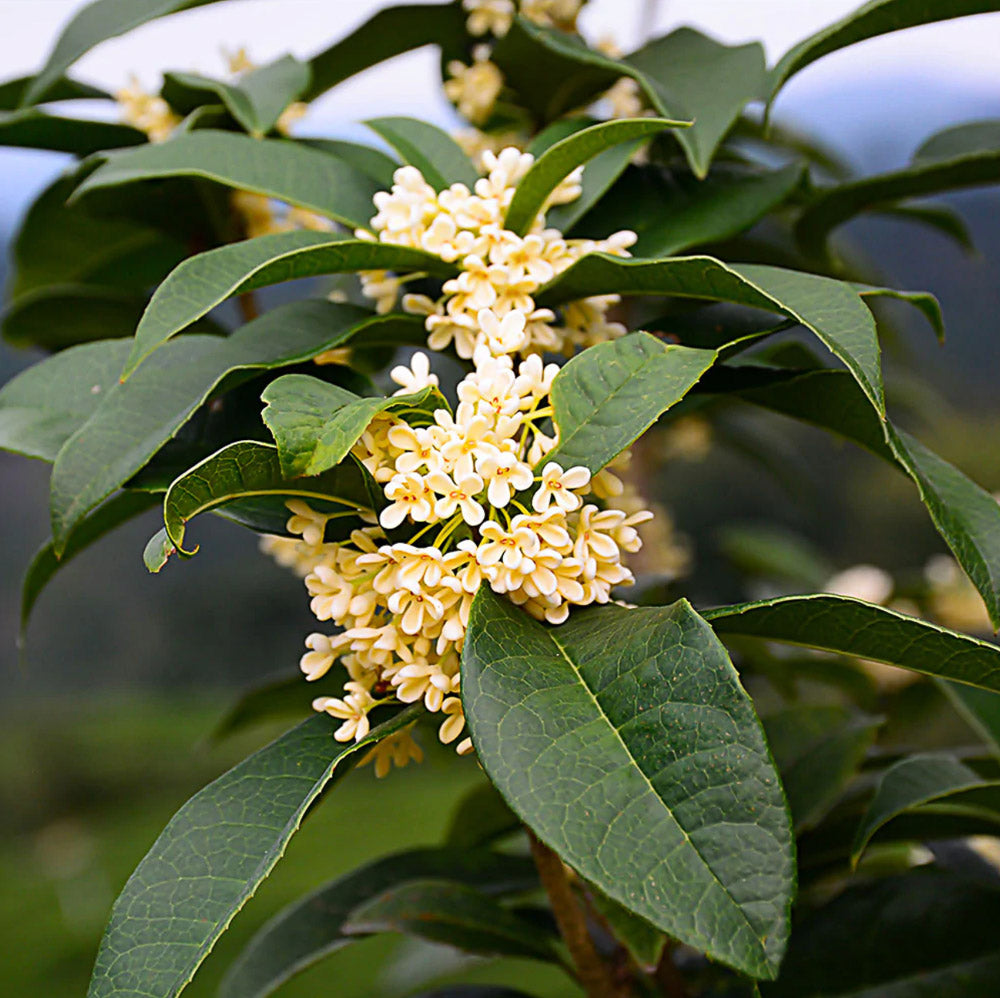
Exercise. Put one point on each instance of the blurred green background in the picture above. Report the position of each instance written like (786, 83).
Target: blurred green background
(105, 718)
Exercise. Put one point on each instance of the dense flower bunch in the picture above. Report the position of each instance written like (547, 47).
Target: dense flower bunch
(481, 505)
(500, 270)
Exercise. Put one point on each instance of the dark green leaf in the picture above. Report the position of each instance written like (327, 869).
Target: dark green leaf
(481, 817)
(877, 17)
(36, 129)
(372, 162)
(687, 74)
(12, 92)
(200, 283)
(315, 424)
(923, 301)
(625, 719)
(313, 927)
(964, 156)
(44, 405)
(828, 308)
(213, 856)
(443, 911)
(61, 244)
(818, 749)
(606, 397)
(278, 168)
(691, 212)
(57, 316)
(916, 780)
(287, 697)
(141, 414)
(560, 159)
(256, 100)
(246, 469)
(433, 152)
(92, 25)
(941, 217)
(850, 627)
(920, 935)
(965, 515)
(980, 708)
(103, 520)
(389, 33)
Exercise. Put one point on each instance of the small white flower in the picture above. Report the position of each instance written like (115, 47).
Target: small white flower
(557, 486)
(410, 496)
(505, 474)
(415, 377)
(504, 335)
(457, 495)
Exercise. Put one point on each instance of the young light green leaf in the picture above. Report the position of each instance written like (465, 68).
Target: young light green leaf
(137, 417)
(278, 168)
(390, 32)
(313, 927)
(964, 156)
(44, 405)
(688, 74)
(915, 780)
(817, 749)
(93, 24)
(246, 469)
(828, 308)
(36, 129)
(926, 933)
(851, 627)
(102, 521)
(560, 159)
(442, 911)
(878, 17)
(201, 282)
(965, 515)
(433, 152)
(212, 857)
(619, 717)
(315, 424)
(256, 100)
(692, 212)
(608, 396)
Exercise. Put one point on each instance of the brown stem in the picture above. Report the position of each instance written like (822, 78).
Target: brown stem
(248, 306)
(594, 975)
(667, 976)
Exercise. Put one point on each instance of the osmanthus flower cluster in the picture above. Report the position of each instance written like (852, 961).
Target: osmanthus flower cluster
(471, 501)
(499, 269)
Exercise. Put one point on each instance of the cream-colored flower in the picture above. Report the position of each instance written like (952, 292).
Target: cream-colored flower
(503, 335)
(414, 378)
(559, 487)
(491, 17)
(410, 496)
(352, 709)
(506, 474)
(397, 750)
(474, 88)
(457, 495)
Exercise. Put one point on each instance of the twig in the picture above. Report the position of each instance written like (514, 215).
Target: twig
(248, 306)
(594, 975)
(667, 976)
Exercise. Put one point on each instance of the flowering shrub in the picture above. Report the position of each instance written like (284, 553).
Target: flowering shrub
(443, 457)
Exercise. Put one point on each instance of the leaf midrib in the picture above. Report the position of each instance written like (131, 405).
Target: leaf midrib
(687, 838)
